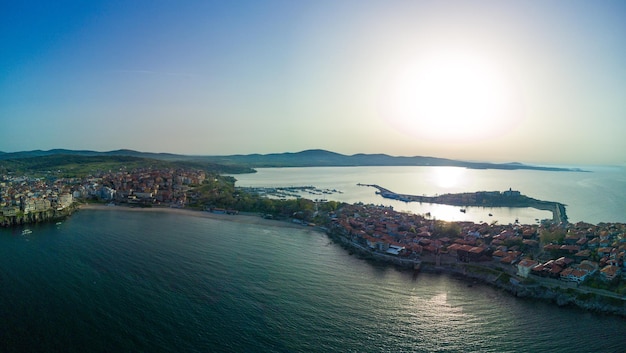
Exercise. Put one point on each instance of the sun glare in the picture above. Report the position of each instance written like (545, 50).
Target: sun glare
(451, 96)
(447, 177)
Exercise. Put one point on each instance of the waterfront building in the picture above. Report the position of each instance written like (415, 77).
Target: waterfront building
(525, 266)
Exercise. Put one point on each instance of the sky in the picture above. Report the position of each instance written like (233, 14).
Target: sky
(527, 81)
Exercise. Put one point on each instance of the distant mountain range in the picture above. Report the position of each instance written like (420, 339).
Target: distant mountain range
(308, 158)
(86, 153)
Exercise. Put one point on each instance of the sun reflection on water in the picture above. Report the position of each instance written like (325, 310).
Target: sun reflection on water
(448, 177)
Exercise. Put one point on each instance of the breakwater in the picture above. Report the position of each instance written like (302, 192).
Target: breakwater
(509, 198)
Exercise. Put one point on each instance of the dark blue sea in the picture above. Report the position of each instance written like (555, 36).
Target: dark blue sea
(120, 281)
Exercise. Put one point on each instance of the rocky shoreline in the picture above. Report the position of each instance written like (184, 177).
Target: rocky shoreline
(564, 297)
(49, 215)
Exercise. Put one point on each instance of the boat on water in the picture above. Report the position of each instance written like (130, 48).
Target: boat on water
(26, 231)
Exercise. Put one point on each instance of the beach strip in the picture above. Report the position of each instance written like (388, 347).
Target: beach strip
(241, 218)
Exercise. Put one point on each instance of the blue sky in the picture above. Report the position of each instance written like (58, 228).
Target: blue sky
(529, 81)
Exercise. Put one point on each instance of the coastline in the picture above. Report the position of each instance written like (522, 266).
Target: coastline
(241, 218)
(559, 296)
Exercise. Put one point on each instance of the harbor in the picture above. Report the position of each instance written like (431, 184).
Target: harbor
(508, 198)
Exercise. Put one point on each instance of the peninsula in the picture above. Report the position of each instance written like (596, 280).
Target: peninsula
(569, 264)
(509, 198)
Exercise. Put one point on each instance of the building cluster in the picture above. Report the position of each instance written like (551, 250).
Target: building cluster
(585, 250)
(23, 195)
(141, 186)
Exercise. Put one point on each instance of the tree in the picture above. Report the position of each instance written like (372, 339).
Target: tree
(547, 237)
(448, 229)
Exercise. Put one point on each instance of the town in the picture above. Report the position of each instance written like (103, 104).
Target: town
(22, 195)
(574, 255)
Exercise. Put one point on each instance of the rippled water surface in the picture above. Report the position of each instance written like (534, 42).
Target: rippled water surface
(113, 281)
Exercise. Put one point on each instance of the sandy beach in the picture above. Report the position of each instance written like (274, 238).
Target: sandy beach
(242, 218)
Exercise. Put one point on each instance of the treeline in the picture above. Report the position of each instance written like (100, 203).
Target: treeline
(62, 165)
(220, 192)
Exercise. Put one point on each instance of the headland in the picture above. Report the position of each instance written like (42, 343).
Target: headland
(508, 198)
(568, 264)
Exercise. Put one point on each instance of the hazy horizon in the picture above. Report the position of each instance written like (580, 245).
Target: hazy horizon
(494, 81)
(529, 163)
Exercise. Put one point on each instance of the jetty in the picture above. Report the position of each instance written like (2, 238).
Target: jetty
(508, 198)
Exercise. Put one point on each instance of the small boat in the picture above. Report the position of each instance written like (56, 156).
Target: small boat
(26, 231)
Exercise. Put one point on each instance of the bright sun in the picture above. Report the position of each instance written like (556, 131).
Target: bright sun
(452, 96)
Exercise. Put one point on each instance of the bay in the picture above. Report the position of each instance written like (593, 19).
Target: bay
(595, 196)
(113, 280)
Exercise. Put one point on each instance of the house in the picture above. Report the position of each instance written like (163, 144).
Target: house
(525, 266)
(498, 255)
(566, 274)
(609, 272)
(574, 275)
(394, 249)
(555, 271)
(476, 253)
(452, 249)
(572, 249)
(583, 254)
(563, 261)
(579, 275)
(589, 266)
(538, 270)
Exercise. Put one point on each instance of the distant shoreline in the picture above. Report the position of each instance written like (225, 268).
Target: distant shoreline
(239, 218)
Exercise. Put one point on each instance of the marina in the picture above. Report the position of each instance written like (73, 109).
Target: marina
(286, 192)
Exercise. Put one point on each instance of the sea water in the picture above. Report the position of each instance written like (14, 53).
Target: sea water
(598, 195)
(120, 281)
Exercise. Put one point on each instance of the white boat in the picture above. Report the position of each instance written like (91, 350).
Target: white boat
(26, 231)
